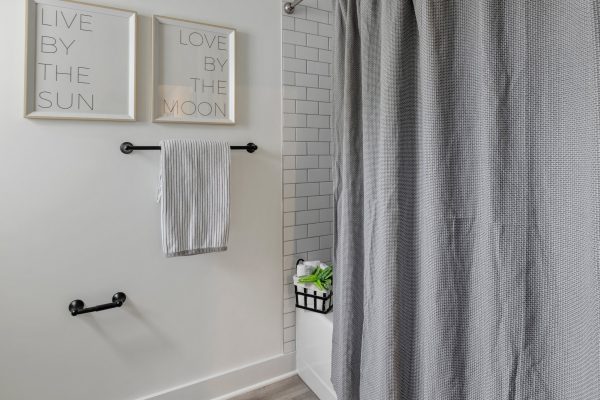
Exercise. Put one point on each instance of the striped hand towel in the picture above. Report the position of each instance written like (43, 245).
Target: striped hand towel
(194, 196)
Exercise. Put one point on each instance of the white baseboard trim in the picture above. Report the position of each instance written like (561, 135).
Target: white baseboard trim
(257, 386)
(234, 382)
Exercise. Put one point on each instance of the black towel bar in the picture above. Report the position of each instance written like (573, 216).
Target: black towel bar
(128, 147)
(77, 306)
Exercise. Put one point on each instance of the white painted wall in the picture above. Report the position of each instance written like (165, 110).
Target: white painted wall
(78, 219)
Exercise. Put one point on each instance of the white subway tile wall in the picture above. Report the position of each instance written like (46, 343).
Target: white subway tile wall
(307, 180)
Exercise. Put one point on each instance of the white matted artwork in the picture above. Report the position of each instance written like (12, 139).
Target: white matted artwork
(80, 61)
(193, 72)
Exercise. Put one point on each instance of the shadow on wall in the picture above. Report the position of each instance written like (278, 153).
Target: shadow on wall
(141, 335)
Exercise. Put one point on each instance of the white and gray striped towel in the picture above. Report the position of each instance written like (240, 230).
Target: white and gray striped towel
(194, 196)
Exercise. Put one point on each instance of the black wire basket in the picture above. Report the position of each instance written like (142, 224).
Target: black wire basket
(313, 300)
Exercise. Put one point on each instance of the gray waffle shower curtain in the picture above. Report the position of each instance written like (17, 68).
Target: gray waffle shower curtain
(466, 136)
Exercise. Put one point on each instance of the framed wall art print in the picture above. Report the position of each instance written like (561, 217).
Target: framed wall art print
(80, 61)
(193, 72)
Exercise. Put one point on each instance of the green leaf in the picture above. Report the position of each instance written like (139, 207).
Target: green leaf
(321, 278)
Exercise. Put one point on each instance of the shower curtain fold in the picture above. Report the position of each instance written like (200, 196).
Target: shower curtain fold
(466, 200)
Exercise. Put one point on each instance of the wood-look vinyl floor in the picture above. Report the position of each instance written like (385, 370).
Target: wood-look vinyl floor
(288, 389)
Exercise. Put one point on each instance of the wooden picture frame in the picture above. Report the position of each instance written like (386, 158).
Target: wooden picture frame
(80, 61)
(193, 72)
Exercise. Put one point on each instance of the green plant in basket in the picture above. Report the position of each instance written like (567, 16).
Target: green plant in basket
(321, 278)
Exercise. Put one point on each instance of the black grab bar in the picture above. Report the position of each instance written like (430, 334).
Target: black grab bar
(77, 306)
